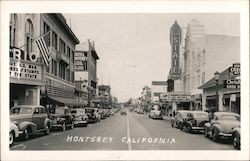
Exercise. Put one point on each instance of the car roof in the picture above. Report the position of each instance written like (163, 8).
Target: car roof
(226, 113)
(64, 107)
(198, 112)
(28, 106)
(181, 111)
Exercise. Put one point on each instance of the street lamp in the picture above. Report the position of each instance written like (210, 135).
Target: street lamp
(217, 77)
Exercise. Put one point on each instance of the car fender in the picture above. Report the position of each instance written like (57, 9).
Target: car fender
(24, 125)
(216, 126)
(48, 121)
(14, 128)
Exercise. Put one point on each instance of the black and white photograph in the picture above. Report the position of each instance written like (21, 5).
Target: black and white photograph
(114, 84)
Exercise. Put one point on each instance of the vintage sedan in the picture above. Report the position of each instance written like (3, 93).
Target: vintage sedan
(155, 113)
(236, 137)
(80, 118)
(30, 119)
(61, 118)
(177, 120)
(222, 124)
(13, 133)
(93, 114)
(194, 121)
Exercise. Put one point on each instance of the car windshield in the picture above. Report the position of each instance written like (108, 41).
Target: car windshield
(88, 110)
(230, 117)
(21, 110)
(201, 115)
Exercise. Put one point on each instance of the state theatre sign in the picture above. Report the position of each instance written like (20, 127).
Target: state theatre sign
(175, 41)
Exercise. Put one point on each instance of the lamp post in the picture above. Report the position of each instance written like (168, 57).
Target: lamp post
(217, 77)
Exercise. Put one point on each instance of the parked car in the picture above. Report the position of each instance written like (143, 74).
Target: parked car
(123, 111)
(221, 125)
(155, 113)
(194, 121)
(61, 118)
(80, 118)
(30, 119)
(103, 113)
(236, 137)
(177, 120)
(93, 114)
(13, 133)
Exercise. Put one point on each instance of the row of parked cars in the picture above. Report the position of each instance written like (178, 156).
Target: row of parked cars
(224, 125)
(26, 120)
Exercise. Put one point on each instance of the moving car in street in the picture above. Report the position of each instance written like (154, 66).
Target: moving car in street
(123, 111)
(222, 124)
(155, 113)
(236, 137)
(93, 114)
(30, 119)
(177, 120)
(13, 133)
(61, 118)
(194, 121)
(80, 118)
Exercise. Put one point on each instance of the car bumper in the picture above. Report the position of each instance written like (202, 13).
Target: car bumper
(198, 128)
(225, 135)
(80, 122)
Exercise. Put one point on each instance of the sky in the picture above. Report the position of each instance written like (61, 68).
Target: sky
(134, 48)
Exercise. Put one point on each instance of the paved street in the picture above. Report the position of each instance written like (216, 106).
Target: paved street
(127, 132)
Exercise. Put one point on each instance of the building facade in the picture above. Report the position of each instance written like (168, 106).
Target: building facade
(105, 96)
(157, 88)
(26, 67)
(59, 89)
(228, 88)
(203, 55)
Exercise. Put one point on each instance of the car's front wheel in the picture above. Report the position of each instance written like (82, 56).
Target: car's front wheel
(47, 130)
(25, 134)
(64, 126)
(236, 141)
(11, 140)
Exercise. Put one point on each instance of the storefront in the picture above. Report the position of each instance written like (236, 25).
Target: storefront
(228, 92)
(196, 102)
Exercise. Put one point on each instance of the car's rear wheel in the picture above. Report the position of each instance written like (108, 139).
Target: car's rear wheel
(11, 140)
(215, 134)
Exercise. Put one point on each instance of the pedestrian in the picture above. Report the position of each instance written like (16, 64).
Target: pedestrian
(174, 113)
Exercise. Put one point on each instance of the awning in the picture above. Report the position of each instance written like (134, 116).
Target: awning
(65, 101)
(210, 97)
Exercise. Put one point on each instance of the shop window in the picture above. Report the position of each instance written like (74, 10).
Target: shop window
(67, 74)
(72, 77)
(68, 51)
(13, 27)
(29, 35)
(62, 70)
(73, 56)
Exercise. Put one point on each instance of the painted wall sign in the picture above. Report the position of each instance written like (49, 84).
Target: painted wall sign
(234, 70)
(175, 41)
(25, 70)
(232, 84)
(80, 62)
(179, 97)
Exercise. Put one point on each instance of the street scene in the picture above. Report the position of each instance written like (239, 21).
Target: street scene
(119, 81)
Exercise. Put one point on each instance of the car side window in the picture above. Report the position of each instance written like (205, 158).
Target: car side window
(36, 111)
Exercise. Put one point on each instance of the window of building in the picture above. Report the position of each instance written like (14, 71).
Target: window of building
(73, 56)
(72, 77)
(54, 67)
(54, 40)
(29, 35)
(62, 46)
(67, 74)
(62, 69)
(46, 28)
(13, 27)
(68, 51)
